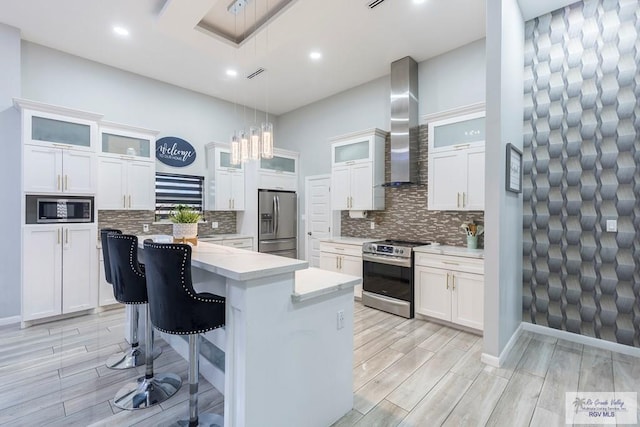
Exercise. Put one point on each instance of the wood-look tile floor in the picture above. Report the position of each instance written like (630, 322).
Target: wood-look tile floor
(406, 373)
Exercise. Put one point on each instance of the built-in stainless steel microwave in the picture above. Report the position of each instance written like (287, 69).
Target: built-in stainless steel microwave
(48, 209)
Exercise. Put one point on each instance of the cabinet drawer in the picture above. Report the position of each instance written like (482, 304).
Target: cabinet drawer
(245, 243)
(449, 262)
(341, 248)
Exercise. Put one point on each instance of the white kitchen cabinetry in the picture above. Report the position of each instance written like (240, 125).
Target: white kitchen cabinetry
(226, 181)
(235, 242)
(126, 168)
(342, 258)
(280, 172)
(58, 270)
(456, 163)
(105, 290)
(450, 288)
(58, 149)
(357, 171)
(58, 170)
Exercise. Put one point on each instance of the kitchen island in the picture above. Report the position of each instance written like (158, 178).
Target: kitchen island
(285, 356)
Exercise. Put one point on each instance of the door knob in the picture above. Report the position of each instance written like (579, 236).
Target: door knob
(309, 233)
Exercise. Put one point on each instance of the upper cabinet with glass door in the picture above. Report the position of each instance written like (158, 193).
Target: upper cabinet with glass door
(279, 172)
(58, 149)
(457, 133)
(351, 151)
(60, 127)
(127, 142)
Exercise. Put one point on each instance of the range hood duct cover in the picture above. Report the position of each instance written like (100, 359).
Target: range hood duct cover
(404, 122)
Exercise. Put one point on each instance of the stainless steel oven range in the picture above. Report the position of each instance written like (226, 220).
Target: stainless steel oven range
(387, 276)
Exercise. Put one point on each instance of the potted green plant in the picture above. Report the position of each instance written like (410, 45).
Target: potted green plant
(185, 222)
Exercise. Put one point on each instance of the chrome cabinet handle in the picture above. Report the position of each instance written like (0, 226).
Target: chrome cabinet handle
(124, 201)
(340, 258)
(457, 200)
(129, 201)
(337, 263)
(448, 280)
(58, 234)
(66, 182)
(66, 236)
(453, 282)
(58, 184)
(450, 263)
(463, 197)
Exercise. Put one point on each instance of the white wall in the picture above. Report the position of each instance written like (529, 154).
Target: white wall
(11, 241)
(503, 210)
(451, 80)
(55, 77)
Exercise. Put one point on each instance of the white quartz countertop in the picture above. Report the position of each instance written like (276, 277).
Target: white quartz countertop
(234, 263)
(349, 240)
(450, 250)
(215, 237)
(313, 282)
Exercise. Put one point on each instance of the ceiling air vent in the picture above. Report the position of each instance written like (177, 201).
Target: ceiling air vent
(374, 3)
(256, 73)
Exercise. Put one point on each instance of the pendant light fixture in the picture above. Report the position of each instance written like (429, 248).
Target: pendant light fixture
(256, 142)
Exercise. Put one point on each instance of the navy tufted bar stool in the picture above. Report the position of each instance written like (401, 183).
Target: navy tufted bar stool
(135, 355)
(176, 308)
(129, 279)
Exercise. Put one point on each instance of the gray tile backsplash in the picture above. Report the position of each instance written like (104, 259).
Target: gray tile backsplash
(406, 216)
(130, 222)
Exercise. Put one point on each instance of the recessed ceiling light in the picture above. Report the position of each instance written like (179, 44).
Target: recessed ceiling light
(121, 31)
(315, 55)
(232, 73)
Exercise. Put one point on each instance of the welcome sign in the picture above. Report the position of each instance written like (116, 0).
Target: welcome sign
(176, 152)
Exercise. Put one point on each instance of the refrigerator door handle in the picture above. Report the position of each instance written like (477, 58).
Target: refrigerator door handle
(275, 216)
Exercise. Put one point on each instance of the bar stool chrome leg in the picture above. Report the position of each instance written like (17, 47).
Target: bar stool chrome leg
(151, 389)
(195, 419)
(135, 355)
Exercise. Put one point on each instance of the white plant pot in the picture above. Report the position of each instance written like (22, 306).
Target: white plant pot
(185, 230)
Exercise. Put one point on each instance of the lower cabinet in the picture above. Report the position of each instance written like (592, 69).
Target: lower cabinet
(450, 288)
(59, 270)
(105, 290)
(235, 242)
(342, 258)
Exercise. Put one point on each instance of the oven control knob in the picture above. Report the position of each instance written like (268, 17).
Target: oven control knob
(397, 251)
(401, 251)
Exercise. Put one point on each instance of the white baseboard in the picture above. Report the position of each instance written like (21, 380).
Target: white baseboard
(581, 339)
(497, 362)
(10, 320)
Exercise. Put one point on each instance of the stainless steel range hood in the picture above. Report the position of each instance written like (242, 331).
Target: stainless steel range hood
(404, 122)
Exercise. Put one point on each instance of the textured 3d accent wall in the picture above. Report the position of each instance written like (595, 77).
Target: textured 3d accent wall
(581, 168)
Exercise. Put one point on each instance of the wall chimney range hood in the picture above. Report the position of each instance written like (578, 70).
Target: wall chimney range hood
(404, 122)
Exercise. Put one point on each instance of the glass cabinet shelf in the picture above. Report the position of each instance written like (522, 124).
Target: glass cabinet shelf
(126, 145)
(457, 132)
(278, 163)
(351, 152)
(60, 131)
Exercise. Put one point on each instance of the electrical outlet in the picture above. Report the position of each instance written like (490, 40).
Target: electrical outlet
(214, 224)
(373, 225)
(612, 225)
(340, 319)
(145, 228)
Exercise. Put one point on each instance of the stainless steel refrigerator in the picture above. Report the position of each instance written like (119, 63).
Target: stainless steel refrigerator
(277, 223)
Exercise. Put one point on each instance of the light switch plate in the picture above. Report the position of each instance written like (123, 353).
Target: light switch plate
(145, 228)
(214, 224)
(612, 225)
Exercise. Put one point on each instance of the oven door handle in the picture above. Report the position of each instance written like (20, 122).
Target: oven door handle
(389, 261)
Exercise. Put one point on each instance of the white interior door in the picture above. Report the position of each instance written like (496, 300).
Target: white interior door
(318, 215)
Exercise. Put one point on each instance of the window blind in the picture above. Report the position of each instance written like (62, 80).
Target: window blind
(174, 189)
